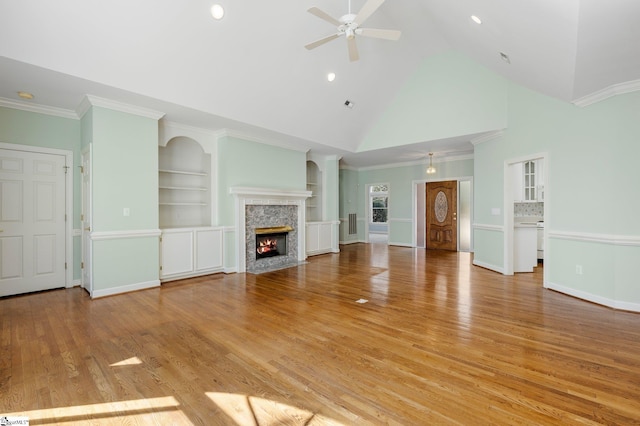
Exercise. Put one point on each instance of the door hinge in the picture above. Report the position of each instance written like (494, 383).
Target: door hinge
(65, 217)
(81, 265)
(81, 169)
(81, 217)
(65, 265)
(161, 267)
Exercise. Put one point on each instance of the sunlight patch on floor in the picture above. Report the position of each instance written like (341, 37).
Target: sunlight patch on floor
(131, 361)
(251, 410)
(162, 410)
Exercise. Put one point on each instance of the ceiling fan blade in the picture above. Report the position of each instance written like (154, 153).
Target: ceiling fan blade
(376, 33)
(322, 41)
(353, 49)
(324, 15)
(367, 10)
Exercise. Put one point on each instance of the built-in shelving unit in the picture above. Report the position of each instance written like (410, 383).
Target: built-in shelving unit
(189, 245)
(184, 184)
(314, 184)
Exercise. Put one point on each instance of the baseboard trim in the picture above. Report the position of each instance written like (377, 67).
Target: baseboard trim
(112, 291)
(400, 244)
(191, 274)
(594, 298)
(489, 266)
(351, 242)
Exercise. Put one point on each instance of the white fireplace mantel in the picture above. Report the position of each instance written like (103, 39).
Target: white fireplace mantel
(245, 196)
(269, 193)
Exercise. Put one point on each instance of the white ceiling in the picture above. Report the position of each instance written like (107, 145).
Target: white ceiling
(250, 73)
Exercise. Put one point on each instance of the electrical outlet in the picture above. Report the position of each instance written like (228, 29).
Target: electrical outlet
(126, 212)
(579, 269)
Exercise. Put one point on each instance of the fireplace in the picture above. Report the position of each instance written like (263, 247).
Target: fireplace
(264, 207)
(272, 242)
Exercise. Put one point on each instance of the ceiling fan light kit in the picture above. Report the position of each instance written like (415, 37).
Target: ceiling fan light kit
(349, 26)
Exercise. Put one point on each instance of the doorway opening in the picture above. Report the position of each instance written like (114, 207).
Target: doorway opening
(378, 213)
(525, 189)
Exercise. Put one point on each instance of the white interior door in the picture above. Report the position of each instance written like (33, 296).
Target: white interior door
(32, 221)
(87, 282)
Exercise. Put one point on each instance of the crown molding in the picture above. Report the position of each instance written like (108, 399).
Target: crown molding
(37, 108)
(607, 92)
(487, 137)
(240, 135)
(420, 162)
(90, 101)
(188, 128)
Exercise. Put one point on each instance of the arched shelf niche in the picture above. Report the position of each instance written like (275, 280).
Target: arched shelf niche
(314, 184)
(184, 184)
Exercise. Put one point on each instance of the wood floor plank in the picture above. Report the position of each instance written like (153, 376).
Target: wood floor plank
(439, 341)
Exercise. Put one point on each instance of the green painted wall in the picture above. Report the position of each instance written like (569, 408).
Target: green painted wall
(119, 263)
(332, 183)
(253, 164)
(353, 197)
(348, 196)
(449, 95)
(124, 175)
(41, 130)
(124, 171)
(592, 182)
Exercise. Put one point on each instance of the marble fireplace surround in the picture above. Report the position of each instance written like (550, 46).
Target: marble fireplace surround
(248, 196)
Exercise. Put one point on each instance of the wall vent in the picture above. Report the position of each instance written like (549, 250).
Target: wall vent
(353, 224)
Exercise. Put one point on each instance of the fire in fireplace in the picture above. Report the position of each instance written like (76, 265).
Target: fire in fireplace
(271, 241)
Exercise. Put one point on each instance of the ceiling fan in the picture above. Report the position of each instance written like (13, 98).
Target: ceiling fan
(349, 26)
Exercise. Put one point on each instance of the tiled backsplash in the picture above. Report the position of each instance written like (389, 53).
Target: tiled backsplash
(528, 209)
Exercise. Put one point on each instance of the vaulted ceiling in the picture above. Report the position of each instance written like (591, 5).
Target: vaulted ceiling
(249, 71)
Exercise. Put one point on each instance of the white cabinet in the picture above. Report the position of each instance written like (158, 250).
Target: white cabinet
(540, 180)
(528, 181)
(525, 248)
(189, 252)
(321, 237)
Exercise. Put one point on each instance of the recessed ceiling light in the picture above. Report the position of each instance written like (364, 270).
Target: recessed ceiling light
(505, 57)
(25, 95)
(217, 11)
(331, 76)
(475, 19)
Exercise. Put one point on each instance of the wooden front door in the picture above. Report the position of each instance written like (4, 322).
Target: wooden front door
(442, 220)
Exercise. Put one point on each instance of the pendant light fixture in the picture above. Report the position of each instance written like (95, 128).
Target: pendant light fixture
(431, 170)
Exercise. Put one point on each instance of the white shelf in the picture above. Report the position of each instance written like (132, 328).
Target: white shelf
(184, 188)
(183, 172)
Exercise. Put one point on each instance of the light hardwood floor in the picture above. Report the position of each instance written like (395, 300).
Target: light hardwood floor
(438, 342)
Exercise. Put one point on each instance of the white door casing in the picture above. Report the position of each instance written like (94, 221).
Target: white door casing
(85, 222)
(32, 221)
